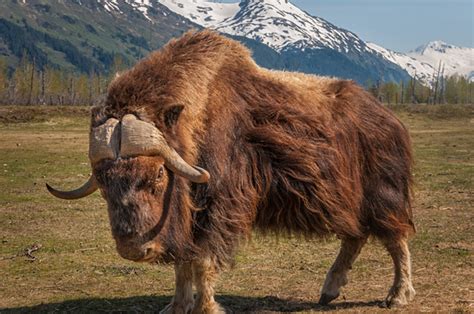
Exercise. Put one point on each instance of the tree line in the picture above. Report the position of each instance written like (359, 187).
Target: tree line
(455, 89)
(29, 84)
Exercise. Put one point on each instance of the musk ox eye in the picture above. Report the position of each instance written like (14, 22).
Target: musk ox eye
(161, 172)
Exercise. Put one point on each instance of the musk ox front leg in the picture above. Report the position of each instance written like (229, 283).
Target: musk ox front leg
(205, 275)
(337, 275)
(183, 301)
(402, 290)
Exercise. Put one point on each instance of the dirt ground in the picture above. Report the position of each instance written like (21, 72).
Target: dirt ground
(58, 256)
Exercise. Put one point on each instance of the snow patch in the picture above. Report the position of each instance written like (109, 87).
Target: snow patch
(204, 13)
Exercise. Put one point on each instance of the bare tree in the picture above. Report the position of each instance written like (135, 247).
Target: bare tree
(32, 78)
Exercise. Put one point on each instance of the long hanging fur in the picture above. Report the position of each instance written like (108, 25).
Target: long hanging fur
(287, 152)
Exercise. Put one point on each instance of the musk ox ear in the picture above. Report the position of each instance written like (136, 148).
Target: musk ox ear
(172, 114)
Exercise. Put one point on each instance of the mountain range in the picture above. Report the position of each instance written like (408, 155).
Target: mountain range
(87, 35)
(426, 61)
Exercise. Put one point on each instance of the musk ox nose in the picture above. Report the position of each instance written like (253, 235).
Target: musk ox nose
(137, 252)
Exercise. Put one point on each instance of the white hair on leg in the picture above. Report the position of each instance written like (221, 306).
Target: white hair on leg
(183, 301)
(205, 275)
(402, 290)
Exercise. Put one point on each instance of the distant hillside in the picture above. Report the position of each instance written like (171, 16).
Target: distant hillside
(81, 35)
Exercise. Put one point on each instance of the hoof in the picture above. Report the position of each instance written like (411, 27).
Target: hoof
(211, 308)
(175, 308)
(393, 303)
(326, 298)
(399, 297)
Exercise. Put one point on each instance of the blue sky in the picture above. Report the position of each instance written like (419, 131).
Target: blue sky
(400, 25)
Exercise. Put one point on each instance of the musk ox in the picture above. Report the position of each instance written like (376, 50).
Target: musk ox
(279, 152)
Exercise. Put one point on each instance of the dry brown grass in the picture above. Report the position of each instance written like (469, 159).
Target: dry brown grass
(77, 269)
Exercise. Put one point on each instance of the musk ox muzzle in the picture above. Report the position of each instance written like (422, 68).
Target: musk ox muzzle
(130, 137)
(138, 252)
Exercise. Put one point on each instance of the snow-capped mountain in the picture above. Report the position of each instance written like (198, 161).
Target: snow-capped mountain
(277, 23)
(454, 60)
(424, 62)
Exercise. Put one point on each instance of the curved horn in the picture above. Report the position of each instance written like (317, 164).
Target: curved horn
(88, 188)
(140, 138)
(103, 144)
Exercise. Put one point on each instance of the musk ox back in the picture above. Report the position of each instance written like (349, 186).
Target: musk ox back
(281, 152)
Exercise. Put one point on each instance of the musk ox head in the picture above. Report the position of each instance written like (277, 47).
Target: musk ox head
(134, 168)
(144, 141)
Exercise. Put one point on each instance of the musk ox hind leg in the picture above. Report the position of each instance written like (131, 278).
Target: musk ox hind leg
(205, 275)
(183, 301)
(337, 275)
(402, 290)
(391, 222)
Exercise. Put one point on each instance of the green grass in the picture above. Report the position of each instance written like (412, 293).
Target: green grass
(77, 269)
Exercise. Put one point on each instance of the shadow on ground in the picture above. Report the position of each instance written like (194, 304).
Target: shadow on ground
(233, 304)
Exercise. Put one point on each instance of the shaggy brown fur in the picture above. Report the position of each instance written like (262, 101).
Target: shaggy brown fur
(287, 152)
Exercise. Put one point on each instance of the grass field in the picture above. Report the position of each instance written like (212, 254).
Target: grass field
(59, 255)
